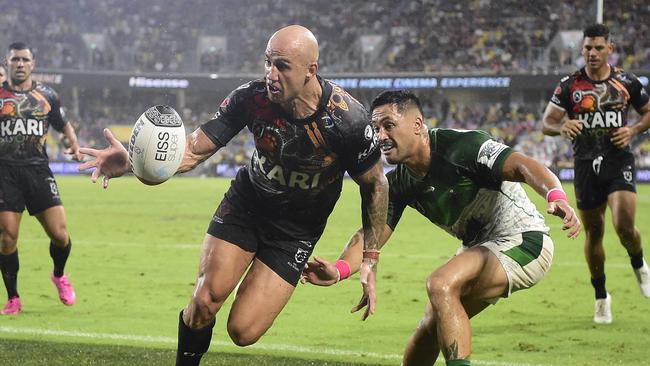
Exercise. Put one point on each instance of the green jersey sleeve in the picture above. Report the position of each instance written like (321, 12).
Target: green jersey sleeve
(396, 200)
(476, 154)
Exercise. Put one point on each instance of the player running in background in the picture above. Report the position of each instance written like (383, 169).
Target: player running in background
(465, 183)
(308, 132)
(27, 110)
(595, 101)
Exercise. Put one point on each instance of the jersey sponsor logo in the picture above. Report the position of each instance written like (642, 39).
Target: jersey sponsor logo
(301, 255)
(306, 243)
(601, 120)
(555, 100)
(627, 173)
(18, 126)
(291, 179)
(327, 121)
(369, 134)
(596, 163)
(489, 152)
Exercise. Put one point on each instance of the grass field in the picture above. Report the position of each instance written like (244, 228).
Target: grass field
(135, 258)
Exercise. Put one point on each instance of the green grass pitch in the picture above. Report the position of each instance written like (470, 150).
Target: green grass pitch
(135, 258)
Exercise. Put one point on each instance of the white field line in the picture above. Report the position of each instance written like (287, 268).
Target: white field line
(262, 346)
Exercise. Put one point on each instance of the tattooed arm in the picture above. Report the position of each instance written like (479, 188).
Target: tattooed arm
(373, 186)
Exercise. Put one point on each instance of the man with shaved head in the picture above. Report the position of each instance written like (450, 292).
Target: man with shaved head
(308, 132)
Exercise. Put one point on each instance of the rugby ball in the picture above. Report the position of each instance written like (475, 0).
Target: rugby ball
(157, 144)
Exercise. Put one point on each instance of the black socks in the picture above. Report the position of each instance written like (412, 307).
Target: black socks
(599, 286)
(192, 343)
(9, 266)
(59, 256)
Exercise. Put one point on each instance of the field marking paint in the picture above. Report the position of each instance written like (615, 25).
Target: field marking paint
(262, 346)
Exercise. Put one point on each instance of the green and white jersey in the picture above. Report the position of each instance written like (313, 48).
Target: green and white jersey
(464, 192)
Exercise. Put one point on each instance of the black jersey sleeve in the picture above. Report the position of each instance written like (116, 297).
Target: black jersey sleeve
(560, 97)
(230, 117)
(56, 117)
(361, 150)
(638, 95)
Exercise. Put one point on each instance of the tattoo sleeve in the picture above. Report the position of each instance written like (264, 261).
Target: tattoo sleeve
(374, 202)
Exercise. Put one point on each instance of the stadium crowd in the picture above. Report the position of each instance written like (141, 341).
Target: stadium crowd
(503, 36)
(488, 36)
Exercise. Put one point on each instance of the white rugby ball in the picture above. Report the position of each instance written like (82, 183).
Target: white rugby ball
(157, 144)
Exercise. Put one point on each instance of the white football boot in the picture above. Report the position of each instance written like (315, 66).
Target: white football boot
(643, 279)
(603, 313)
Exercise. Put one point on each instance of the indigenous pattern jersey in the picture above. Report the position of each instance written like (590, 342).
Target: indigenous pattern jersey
(602, 106)
(463, 192)
(25, 117)
(296, 171)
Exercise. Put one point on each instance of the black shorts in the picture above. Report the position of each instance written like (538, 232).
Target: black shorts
(596, 179)
(286, 256)
(31, 186)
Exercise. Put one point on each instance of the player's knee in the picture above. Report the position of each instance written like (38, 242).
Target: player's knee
(439, 287)
(8, 241)
(242, 335)
(625, 231)
(594, 234)
(60, 236)
(205, 307)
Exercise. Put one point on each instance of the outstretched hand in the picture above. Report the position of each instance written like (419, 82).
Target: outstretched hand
(111, 162)
(563, 210)
(319, 272)
(369, 298)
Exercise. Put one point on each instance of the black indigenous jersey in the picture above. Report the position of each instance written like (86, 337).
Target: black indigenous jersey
(602, 106)
(296, 171)
(25, 117)
(464, 192)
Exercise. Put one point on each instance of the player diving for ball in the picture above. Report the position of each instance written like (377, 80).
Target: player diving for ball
(465, 183)
(308, 132)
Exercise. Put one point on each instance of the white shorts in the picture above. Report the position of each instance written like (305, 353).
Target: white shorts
(525, 257)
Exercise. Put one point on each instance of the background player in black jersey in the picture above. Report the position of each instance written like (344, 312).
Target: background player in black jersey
(590, 108)
(26, 181)
(307, 133)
